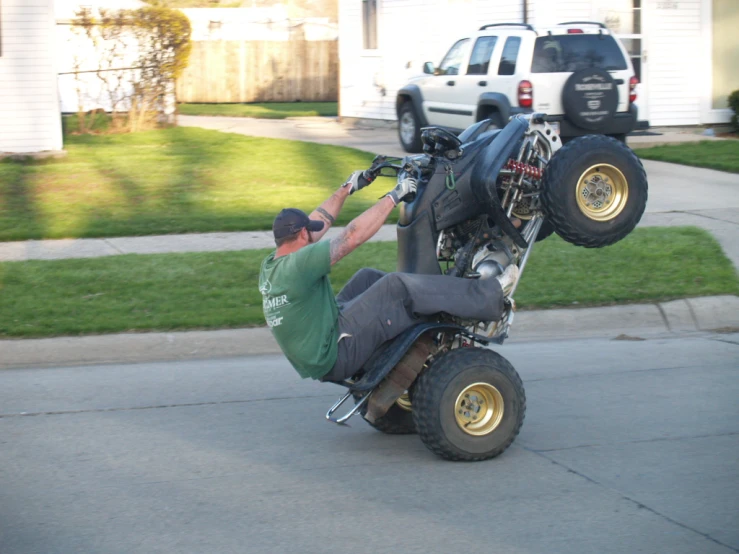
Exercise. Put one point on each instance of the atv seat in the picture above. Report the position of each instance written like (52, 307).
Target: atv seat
(390, 353)
(474, 132)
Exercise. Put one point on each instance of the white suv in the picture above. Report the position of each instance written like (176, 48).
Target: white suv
(577, 73)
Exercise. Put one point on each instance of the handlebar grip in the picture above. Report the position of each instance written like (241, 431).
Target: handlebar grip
(365, 179)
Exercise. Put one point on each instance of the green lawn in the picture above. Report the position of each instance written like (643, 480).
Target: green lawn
(219, 290)
(267, 110)
(178, 180)
(722, 155)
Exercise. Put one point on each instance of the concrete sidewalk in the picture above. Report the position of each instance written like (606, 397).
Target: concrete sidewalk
(630, 322)
(723, 224)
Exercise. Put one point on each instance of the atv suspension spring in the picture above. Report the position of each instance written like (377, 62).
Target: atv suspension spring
(521, 168)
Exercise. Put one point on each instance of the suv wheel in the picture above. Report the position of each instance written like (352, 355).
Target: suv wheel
(409, 129)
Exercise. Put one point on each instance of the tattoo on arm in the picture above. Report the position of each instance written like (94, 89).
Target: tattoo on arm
(341, 245)
(326, 216)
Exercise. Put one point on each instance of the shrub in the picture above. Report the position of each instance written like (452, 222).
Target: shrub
(734, 105)
(140, 53)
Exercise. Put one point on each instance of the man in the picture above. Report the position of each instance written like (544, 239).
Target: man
(331, 338)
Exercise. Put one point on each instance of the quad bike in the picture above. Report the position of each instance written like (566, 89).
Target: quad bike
(438, 378)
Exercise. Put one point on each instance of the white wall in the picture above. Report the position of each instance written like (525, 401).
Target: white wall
(675, 58)
(29, 103)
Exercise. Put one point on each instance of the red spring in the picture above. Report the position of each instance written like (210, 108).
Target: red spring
(524, 169)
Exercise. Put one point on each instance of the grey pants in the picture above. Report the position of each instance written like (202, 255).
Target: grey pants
(375, 307)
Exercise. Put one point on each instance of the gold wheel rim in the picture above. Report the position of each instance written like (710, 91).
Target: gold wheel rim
(602, 192)
(405, 402)
(479, 409)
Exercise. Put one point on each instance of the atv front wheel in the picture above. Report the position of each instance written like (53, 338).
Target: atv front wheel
(594, 191)
(469, 405)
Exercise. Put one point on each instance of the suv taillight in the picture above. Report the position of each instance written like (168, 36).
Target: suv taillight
(632, 89)
(525, 94)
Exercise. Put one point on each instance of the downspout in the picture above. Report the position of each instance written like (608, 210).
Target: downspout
(525, 11)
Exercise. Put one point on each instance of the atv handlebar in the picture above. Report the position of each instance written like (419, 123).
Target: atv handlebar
(400, 168)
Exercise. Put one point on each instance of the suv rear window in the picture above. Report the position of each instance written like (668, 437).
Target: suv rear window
(567, 53)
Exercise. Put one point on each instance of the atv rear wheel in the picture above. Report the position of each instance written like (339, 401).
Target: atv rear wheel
(594, 191)
(469, 404)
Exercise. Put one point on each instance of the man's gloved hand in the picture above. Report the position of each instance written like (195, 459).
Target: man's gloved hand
(356, 181)
(404, 188)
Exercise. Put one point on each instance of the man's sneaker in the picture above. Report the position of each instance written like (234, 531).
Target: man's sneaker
(508, 279)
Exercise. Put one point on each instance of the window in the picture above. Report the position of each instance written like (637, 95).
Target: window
(453, 59)
(566, 53)
(623, 18)
(369, 24)
(508, 58)
(480, 58)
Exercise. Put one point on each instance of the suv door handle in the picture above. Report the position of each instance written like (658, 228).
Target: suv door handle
(483, 83)
(450, 83)
(618, 81)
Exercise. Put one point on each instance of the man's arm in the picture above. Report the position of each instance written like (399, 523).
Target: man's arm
(329, 210)
(361, 229)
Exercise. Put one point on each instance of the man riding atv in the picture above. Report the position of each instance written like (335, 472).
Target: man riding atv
(329, 338)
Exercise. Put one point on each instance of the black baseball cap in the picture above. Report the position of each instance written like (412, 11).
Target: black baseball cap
(291, 220)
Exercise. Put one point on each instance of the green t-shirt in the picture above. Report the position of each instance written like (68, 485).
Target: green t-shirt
(300, 308)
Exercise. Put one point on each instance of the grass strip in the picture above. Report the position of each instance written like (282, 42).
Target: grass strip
(219, 290)
(178, 180)
(719, 154)
(266, 110)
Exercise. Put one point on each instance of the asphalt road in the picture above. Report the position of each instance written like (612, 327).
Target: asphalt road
(628, 446)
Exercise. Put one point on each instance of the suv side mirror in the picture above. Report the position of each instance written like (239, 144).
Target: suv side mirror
(428, 68)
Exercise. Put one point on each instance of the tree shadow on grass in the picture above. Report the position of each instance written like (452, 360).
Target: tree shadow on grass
(161, 194)
(20, 216)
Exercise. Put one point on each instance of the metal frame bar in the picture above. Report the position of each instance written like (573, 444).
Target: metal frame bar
(342, 420)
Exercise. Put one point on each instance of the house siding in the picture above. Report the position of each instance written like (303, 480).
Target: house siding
(29, 103)
(675, 60)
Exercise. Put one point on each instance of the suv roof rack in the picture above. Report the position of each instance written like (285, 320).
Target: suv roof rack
(584, 23)
(529, 27)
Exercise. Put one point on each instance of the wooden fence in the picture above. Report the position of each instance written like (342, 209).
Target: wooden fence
(257, 71)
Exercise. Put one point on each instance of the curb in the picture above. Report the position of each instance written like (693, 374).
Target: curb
(627, 322)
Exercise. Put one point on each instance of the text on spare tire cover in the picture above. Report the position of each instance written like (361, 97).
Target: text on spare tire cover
(594, 96)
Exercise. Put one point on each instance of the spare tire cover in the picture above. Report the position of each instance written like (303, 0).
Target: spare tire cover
(590, 98)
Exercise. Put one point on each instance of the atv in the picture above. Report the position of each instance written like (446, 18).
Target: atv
(484, 199)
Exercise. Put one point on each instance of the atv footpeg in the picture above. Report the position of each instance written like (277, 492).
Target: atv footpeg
(504, 325)
(342, 420)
